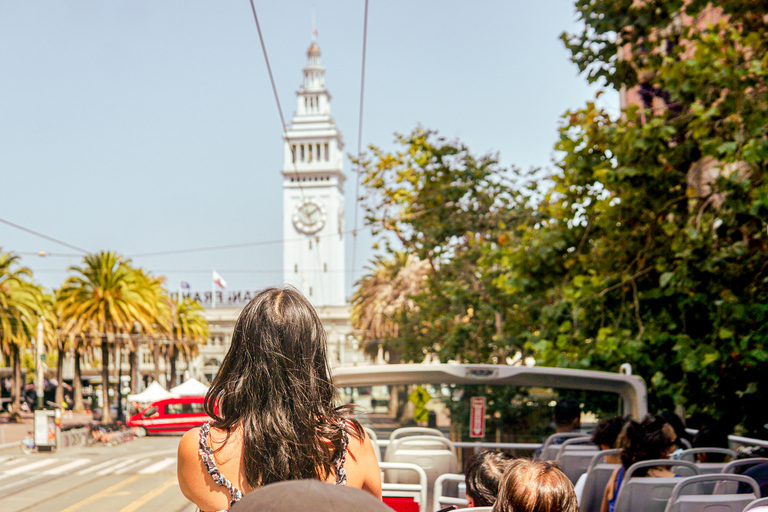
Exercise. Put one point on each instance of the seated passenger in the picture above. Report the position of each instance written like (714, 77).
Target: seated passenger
(760, 474)
(711, 437)
(482, 473)
(680, 433)
(529, 486)
(309, 495)
(567, 415)
(275, 413)
(605, 435)
(653, 438)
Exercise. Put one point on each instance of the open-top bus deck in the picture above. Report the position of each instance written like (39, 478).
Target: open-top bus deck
(426, 419)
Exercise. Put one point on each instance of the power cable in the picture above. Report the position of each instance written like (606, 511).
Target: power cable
(51, 239)
(359, 139)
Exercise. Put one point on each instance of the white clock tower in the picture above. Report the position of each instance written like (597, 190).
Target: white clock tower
(313, 193)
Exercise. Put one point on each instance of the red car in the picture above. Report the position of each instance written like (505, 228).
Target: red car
(170, 415)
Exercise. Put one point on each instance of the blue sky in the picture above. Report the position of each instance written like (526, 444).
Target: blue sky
(150, 127)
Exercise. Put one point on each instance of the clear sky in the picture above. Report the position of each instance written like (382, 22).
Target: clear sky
(150, 126)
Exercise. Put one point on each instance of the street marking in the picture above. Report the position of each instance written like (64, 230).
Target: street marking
(19, 482)
(33, 465)
(97, 467)
(102, 494)
(135, 463)
(116, 467)
(157, 466)
(66, 467)
(149, 496)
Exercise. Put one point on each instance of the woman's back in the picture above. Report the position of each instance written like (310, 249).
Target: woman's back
(274, 410)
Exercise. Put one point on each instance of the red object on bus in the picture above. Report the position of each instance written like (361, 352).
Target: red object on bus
(477, 417)
(401, 504)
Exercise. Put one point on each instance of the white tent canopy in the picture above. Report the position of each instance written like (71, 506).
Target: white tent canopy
(192, 387)
(153, 393)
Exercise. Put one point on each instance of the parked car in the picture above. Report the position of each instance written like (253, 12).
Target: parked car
(170, 415)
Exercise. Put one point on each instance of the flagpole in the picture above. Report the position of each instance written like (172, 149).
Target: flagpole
(213, 289)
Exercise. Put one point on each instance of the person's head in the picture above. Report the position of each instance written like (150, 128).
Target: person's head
(711, 437)
(275, 383)
(567, 415)
(677, 424)
(529, 486)
(482, 473)
(653, 438)
(607, 432)
(308, 495)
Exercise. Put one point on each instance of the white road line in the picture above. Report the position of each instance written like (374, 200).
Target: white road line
(20, 482)
(116, 467)
(34, 465)
(60, 470)
(157, 466)
(13, 462)
(97, 467)
(131, 467)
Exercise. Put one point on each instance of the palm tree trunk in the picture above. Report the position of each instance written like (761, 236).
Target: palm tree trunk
(77, 385)
(106, 417)
(156, 361)
(134, 365)
(59, 372)
(174, 355)
(16, 381)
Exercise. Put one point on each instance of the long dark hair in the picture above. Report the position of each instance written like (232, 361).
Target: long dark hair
(275, 381)
(646, 440)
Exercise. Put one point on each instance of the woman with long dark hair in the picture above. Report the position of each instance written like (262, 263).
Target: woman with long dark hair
(651, 439)
(275, 413)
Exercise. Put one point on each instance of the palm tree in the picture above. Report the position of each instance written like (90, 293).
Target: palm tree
(104, 300)
(383, 296)
(188, 329)
(21, 304)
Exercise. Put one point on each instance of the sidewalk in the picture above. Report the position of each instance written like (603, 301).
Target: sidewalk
(11, 434)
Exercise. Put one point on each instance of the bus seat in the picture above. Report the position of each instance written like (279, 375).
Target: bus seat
(575, 456)
(435, 455)
(736, 467)
(687, 495)
(760, 505)
(402, 496)
(554, 443)
(411, 431)
(649, 494)
(598, 474)
(707, 468)
(440, 499)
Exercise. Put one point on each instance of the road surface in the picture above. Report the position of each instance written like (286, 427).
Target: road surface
(139, 475)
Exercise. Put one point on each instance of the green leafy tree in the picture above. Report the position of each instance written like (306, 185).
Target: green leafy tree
(658, 218)
(21, 305)
(103, 301)
(437, 202)
(188, 329)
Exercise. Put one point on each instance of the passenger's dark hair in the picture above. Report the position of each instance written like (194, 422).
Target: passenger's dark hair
(646, 440)
(607, 431)
(529, 486)
(482, 473)
(676, 423)
(275, 380)
(567, 411)
(712, 437)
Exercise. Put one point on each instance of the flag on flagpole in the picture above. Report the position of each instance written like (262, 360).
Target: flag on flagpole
(219, 280)
(184, 285)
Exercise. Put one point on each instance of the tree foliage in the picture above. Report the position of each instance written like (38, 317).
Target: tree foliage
(648, 245)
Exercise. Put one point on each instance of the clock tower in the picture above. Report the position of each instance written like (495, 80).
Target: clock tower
(313, 193)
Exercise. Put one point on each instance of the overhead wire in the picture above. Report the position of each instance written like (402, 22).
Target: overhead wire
(46, 237)
(359, 139)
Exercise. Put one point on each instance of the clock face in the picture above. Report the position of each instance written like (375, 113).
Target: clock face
(309, 217)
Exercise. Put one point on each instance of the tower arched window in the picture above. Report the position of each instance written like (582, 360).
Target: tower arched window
(326, 152)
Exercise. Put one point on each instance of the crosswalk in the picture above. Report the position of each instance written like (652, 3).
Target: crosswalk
(140, 464)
